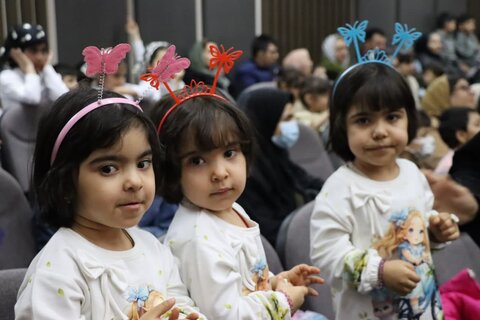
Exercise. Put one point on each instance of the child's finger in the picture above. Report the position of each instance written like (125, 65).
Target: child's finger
(312, 292)
(314, 279)
(192, 316)
(175, 314)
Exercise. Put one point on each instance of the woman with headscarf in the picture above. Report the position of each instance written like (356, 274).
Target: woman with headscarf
(276, 186)
(336, 57)
(199, 61)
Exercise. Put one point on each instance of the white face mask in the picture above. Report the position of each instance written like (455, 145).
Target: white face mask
(289, 133)
(427, 146)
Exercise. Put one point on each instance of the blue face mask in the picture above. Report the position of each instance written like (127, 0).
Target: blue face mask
(289, 133)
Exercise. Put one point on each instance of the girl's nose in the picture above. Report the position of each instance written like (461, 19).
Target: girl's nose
(379, 130)
(219, 171)
(133, 180)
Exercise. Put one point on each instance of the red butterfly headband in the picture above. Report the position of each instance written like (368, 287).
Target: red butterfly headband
(103, 61)
(171, 64)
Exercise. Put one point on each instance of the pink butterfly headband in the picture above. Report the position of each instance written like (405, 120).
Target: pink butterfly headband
(103, 61)
(171, 63)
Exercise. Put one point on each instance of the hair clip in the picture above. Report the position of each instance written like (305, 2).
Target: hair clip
(103, 61)
(403, 39)
(170, 64)
(399, 217)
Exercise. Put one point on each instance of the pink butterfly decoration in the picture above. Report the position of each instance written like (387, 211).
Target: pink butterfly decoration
(104, 60)
(166, 68)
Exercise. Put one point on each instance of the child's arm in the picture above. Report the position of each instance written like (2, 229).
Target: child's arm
(53, 82)
(211, 272)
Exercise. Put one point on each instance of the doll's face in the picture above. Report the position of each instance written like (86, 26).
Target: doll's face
(415, 231)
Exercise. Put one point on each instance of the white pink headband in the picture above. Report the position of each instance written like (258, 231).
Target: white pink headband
(103, 61)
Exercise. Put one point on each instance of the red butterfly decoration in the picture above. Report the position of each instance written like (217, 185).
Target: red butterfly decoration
(223, 59)
(166, 68)
(104, 60)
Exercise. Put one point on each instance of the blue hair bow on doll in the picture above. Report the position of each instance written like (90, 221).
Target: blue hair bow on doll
(399, 217)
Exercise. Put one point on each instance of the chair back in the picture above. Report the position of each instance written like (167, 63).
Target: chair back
(297, 250)
(274, 263)
(310, 154)
(11, 280)
(17, 246)
(18, 131)
(458, 255)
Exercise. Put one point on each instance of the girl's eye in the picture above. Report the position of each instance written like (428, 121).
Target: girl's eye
(107, 170)
(410, 230)
(196, 161)
(144, 164)
(393, 117)
(421, 231)
(362, 120)
(230, 153)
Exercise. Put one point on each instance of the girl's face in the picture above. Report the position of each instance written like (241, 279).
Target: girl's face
(213, 180)
(462, 95)
(38, 54)
(117, 79)
(376, 138)
(159, 55)
(473, 127)
(415, 231)
(116, 185)
(341, 50)
(206, 55)
(435, 43)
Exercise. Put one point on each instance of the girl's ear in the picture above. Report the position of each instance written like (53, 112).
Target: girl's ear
(462, 136)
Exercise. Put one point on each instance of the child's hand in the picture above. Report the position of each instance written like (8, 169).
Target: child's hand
(302, 275)
(21, 59)
(159, 310)
(400, 276)
(295, 293)
(443, 227)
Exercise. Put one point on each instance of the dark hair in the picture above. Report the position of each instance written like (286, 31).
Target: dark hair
(290, 77)
(405, 57)
(435, 67)
(443, 18)
(314, 85)
(370, 32)
(261, 43)
(423, 119)
(54, 185)
(211, 122)
(371, 86)
(451, 121)
(464, 18)
(66, 70)
(453, 78)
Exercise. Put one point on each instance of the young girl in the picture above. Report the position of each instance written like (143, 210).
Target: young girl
(31, 79)
(207, 147)
(94, 177)
(375, 273)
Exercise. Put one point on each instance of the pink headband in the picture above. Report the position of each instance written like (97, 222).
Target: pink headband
(80, 114)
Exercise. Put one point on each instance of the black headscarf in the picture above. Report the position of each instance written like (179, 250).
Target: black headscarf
(466, 171)
(276, 186)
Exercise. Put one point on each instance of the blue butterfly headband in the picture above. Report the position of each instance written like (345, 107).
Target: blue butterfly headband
(403, 39)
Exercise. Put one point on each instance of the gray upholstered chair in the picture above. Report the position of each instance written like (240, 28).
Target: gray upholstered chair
(295, 232)
(273, 260)
(17, 247)
(310, 154)
(10, 280)
(460, 254)
(18, 131)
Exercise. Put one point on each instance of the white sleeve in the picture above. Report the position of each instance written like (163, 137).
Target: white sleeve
(25, 89)
(214, 281)
(138, 50)
(333, 252)
(49, 295)
(53, 82)
(175, 287)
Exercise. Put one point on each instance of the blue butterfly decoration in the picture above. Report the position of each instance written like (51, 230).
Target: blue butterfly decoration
(139, 296)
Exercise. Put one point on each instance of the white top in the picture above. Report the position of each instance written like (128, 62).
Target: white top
(71, 278)
(224, 266)
(351, 213)
(18, 88)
